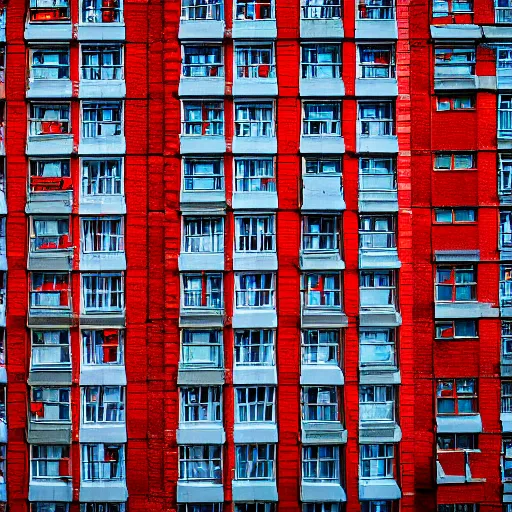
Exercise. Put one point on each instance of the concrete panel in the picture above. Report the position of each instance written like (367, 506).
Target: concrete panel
(103, 433)
(98, 491)
(201, 377)
(200, 492)
(256, 374)
(254, 261)
(320, 193)
(201, 433)
(255, 145)
(376, 29)
(254, 29)
(202, 86)
(255, 432)
(321, 375)
(379, 489)
(376, 87)
(102, 375)
(57, 377)
(255, 200)
(459, 424)
(102, 89)
(252, 318)
(322, 492)
(466, 310)
(202, 144)
(50, 491)
(201, 261)
(454, 32)
(254, 490)
(101, 32)
(323, 432)
(261, 87)
(321, 87)
(49, 433)
(48, 31)
(321, 28)
(388, 144)
(53, 145)
(321, 261)
(44, 202)
(209, 29)
(115, 145)
(51, 260)
(322, 145)
(49, 89)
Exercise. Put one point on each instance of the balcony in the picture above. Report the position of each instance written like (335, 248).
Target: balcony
(101, 20)
(102, 129)
(203, 138)
(255, 301)
(322, 190)
(454, 68)
(102, 248)
(49, 20)
(102, 72)
(378, 189)
(202, 72)
(103, 300)
(376, 131)
(378, 303)
(254, 19)
(255, 184)
(320, 244)
(377, 357)
(377, 249)
(50, 363)
(321, 20)
(376, 71)
(376, 20)
(323, 432)
(205, 18)
(50, 252)
(202, 304)
(49, 130)
(255, 80)
(50, 300)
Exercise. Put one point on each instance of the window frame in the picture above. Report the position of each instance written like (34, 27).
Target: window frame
(457, 396)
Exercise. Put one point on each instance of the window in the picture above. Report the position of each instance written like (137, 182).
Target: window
(456, 442)
(254, 119)
(322, 119)
(322, 166)
(102, 177)
(454, 161)
(456, 396)
(255, 404)
(254, 10)
(376, 119)
(505, 116)
(102, 234)
(377, 460)
(203, 234)
(203, 118)
(200, 462)
(322, 290)
(376, 10)
(50, 176)
(46, 506)
(255, 234)
(49, 291)
(255, 507)
(321, 507)
(202, 291)
(255, 61)
(255, 290)
(455, 284)
(320, 233)
(377, 232)
(459, 507)
(102, 62)
(202, 403)
(103, 292)
(505, 174)
(445, 103)
(376, 61)
(454, 62)
(102, 119)
(506, 460)
(102, 507)
(50, 349)
(99, 11)
(255, 461)
(377, 174)
(320, 403)
(321, 60)
(453, 329)
(506, 396)
(505, 229)
(3, 401)
(202, 61)
(102, 462)
(199, 507)
(454, 215)
(254, 347)
(320, 463)
(203, 174)
(201, 10)
(320, 346)
(103, 346)
(376, 506)
(201, 348)
(505, 286)
(103, 404)
(377, 347)
(321, 9)
(506, 338)
(376, 404)
(255, 175)
(377, 289)
(49, 63)
(49, 234)
(49, 462)
(442, 8)
(503, 11)
(50, 404)
(49, 119)
(41, 11)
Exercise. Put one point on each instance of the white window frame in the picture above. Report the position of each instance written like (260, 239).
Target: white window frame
(51, 68)
(192, 297)
(46, 234)
(254, 174)
(314, 67)
(329, 297)
(55, 121)
(380, 340)
(324, 240)
(102, 70)
(211, 120)
(205, 65)
(376, 70)
(199, 177)
(93, 12)
(258, 296)
(51, 397)
(384, 397)
(254, 61)
(47, 299)
(96, 341)
(377, 232)
(192, 10)
(94, 466)
(454, 69)
(325, 122)
(255, 404)
(376, 10)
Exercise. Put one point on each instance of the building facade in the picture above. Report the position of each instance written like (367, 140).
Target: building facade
(256, 256)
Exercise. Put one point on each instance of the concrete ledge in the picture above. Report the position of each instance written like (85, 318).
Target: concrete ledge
(329, 144)
(48, 31)
(103, 433)
(103, 261)
(318, 28)
(46, 145)
(260, 87)
(255, 200)
(252, 318)
(322, 87)
(383, 318)
(49, 89)
(201, 317)
(255, 432)
(254, 145)
(323, 432)
(379, 489)
(254, 29)
(200, 492)
(323, 318)
(379, 375)
(456, 31)
(255, 374)
(466, 310)
(209, 29)
(459, 424)
(254, 490)
(114, 145)
(201, 377)
(254, 261)
(379, 432)
(50, 260)
(376, 87)
(101, 32)
(48, 377)
(102, 89)
(321, 375)
(376, 29)
(49, 433)
(57, 490)
(201, 432)
(202, 86)
(104, 375)
(320, 193)
(379, 258)
(201, 261)
(116, 319)
(388, 144)
(99, 205)
(328, 260)
(322, 492)
(103, 491)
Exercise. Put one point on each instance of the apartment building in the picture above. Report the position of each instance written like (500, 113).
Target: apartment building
(255, 256)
